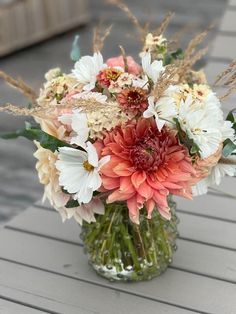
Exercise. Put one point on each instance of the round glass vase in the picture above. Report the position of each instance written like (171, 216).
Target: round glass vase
(121, 250)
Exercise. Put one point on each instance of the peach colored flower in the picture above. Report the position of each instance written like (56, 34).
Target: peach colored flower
(133, 67)
(133, 99)
(203, 166)
(146, 166)
(107, 76)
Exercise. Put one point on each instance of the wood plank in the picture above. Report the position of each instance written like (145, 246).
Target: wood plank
(224, 47)
(7, 307)
(228, 22)
(173, 287)
(214, 68)
(67, 295)
(70, 260)
(210, 205)
(191, 227)
(232, 2)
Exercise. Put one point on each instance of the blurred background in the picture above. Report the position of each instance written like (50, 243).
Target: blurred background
(36, 35)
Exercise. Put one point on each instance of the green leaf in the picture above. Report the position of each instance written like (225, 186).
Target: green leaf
(185, 140)
(72, 204)
(230, 117)
(75, 50)
(229, 147)
(46, 140)
(177, 54)
(169, 58)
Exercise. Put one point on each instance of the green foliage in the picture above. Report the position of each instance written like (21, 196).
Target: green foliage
(171, 57)
(72, 204)
(34, 133)
(75, 50)
(229, 147)
(185, 140)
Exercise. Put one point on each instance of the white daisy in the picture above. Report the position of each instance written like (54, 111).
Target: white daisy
(79, 171)
(227, 131)
(77, 121)
(200, 126)
(216, 175)
(152, 70)
(87, 69)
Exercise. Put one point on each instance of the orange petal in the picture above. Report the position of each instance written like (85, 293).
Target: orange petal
(138, 178)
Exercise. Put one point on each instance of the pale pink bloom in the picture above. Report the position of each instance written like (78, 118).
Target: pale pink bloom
(133, 67)
(146, 166)
(86, 211)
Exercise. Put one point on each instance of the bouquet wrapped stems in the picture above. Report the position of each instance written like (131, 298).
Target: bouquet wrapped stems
(121, 250)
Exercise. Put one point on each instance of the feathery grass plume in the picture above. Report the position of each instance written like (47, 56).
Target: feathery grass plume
(20, 85)
(167, 78)
(190, 54)
(229, 70)
(174, 40)
(16, 110)
(126, 68)
(99, 36)
(228, 79)
(164, 24)
(123, 7)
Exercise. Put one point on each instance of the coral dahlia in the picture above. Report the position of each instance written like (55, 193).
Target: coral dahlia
(146, 165)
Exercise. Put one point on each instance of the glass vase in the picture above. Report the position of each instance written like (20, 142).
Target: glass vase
(121, 250)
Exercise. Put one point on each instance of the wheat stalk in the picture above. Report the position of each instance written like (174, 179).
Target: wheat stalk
(20, 85)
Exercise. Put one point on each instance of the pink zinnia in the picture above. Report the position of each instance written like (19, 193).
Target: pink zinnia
(145, 166)
(108, 75)
(133, 67)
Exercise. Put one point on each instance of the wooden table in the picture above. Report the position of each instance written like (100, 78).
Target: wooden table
(43, 268)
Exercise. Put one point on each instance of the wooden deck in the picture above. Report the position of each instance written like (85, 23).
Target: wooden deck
(43, 268)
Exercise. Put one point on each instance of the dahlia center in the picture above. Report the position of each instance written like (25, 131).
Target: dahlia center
(147, 155)
(87, 166)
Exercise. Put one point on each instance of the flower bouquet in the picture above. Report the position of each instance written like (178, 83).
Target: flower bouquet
(117, 139)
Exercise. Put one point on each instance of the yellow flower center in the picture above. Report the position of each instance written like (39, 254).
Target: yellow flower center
(88, 166)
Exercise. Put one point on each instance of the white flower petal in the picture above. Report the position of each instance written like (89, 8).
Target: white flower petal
(92, 154)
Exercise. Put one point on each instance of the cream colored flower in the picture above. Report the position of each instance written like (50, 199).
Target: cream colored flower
(104, 119)
(56, 89)
(200, 91)
(53, 73)
(48, 176)
(152, 42)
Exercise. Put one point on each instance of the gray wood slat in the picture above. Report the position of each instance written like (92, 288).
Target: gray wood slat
(228, 22)
(65, 258)
(224, 47)
(7, 307)
(65, 295)
(214, 68)
(232, 2)
(173, 287)
(191, 227)
(210, 205)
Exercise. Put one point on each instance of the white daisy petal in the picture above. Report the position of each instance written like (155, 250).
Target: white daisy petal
(92, 154)
(79, 171)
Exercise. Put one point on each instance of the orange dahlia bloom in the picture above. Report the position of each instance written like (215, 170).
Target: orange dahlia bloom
(145, 166)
